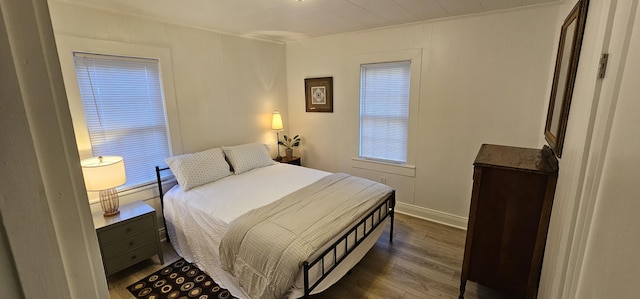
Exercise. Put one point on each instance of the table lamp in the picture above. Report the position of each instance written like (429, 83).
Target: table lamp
(104, 174)
(276, 124)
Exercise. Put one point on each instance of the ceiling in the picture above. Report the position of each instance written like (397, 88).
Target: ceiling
(288, 20)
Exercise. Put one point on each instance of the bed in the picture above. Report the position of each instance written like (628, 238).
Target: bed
(202, 219)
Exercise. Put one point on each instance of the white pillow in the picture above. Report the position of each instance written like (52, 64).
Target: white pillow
(193, 170)
(247, 156)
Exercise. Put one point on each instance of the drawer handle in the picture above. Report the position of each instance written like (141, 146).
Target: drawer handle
(128, 229)
(134, 257)
(131, 244)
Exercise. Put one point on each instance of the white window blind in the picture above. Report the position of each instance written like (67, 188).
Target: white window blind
(124, 111)
(384, 110)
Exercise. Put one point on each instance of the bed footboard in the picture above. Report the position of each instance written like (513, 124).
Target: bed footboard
(382, 211)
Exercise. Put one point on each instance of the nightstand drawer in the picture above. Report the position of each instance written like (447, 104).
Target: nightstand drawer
(124, 245)
(124, 230)
(123, 261)
(129, 237)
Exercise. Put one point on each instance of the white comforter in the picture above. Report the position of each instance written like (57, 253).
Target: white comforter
(265, 247)
(198, 219)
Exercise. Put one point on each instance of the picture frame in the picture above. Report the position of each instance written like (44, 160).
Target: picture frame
(319, 94)
(564, 76)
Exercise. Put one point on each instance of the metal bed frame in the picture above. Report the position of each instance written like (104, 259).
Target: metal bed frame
(383, 210)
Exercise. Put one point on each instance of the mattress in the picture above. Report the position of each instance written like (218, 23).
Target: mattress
(197, 219)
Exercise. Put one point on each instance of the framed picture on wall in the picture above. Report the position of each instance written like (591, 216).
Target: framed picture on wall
(319, 94)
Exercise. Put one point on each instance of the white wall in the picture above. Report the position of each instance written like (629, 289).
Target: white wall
(8, 272)
(611, 265)
(572, 164)
(484, 80)
(226, 87)
(591, 251)
(43, 207)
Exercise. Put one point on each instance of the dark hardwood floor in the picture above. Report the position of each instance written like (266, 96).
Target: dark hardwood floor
(424, 261)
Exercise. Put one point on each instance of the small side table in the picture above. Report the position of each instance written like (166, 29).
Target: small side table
(129, 237)
(293, 160)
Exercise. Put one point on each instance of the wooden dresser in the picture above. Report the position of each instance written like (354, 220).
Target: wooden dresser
(129, 237)
(511, 202)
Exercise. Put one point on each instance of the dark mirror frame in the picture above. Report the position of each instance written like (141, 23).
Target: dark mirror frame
(564, 76)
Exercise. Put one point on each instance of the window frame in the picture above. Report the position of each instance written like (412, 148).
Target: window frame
(404, 119)
(67, 45)
(139, 134)
(415, 57)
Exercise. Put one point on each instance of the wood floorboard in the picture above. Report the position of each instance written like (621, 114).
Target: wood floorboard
(423, 261)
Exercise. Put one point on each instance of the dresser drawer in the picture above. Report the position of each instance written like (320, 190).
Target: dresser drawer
(129, 243)
(125, 229)
(123, 261)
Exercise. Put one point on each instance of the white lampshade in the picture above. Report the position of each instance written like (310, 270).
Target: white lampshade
(276, 121)
(104, 172)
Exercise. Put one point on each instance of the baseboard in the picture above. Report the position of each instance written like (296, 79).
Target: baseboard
(432, 215)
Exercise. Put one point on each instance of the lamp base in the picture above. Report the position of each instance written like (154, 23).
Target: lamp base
(111, 214)
(278, 158)
(109, 202)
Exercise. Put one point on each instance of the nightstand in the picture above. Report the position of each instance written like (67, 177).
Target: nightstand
(293, 160)
(129, 237)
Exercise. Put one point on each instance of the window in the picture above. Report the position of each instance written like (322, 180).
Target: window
(124, 111)
(384, 111)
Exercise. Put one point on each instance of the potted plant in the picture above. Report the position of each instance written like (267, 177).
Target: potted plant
(289, 144)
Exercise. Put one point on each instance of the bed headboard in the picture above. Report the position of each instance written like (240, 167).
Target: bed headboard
(159, 180)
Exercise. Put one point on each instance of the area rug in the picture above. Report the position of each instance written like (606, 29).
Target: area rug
(176, 281)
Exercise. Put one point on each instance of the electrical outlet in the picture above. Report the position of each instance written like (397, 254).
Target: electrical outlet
(383, 180)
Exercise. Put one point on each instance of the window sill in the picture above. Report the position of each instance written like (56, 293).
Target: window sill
(399, 169)
(141, 192)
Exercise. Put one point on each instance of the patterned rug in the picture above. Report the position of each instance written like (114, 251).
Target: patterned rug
(177, 281)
